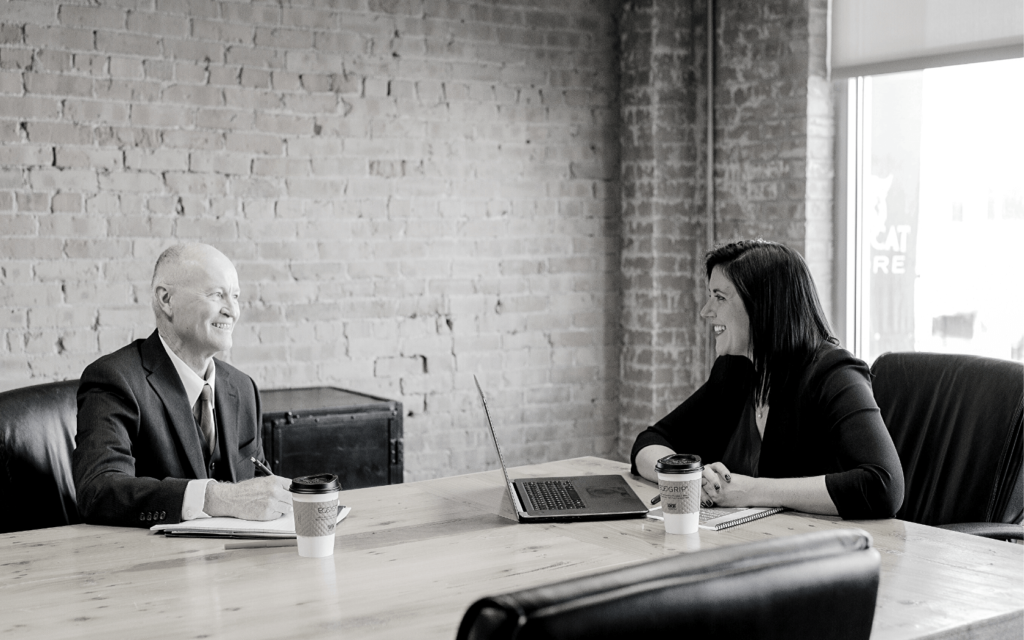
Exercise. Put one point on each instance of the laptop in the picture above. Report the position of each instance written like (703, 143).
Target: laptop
(564, 499)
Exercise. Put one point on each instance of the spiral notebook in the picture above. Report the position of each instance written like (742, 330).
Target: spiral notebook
(718, 518)
(283, 527)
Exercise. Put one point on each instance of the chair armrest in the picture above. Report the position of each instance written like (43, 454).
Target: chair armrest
(993, 530)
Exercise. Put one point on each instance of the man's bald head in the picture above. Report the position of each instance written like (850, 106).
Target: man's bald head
(176, 261)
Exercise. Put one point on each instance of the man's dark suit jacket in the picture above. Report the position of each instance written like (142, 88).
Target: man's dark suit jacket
(137, 444)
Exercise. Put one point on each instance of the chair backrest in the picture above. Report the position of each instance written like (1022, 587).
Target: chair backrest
(956, 421)
(37, 435)
(818, 585)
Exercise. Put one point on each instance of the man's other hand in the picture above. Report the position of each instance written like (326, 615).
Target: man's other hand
(257, 499)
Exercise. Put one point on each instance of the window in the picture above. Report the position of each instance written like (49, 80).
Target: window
(934, 210)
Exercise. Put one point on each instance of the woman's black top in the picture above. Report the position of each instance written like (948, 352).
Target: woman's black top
(743, 453)
(825, 422)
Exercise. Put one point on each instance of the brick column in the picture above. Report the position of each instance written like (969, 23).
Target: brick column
(772, 173)
(663, 208)
(774, 129)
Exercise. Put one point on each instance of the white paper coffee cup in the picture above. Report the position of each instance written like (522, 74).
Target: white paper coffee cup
(315, 512)
(679, 478)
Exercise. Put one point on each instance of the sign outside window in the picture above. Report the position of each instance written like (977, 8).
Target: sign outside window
(939, 246)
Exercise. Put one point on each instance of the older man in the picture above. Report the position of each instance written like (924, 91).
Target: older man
(165, 431)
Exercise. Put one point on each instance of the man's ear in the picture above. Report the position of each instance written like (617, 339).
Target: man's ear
(162, 295)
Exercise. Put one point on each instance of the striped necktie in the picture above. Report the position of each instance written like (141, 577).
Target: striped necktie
(205, 418)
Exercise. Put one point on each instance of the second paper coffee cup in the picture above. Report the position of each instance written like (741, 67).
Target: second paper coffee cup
(679, 482)
(315, 509)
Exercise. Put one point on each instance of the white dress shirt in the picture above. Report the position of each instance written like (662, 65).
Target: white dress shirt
(195, 491)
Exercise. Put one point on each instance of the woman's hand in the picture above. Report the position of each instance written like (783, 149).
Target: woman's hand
(720, 487)
(714, 484)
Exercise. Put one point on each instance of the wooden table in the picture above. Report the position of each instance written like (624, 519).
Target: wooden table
(411, 558)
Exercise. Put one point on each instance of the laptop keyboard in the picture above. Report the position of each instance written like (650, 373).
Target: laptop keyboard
(553, 495)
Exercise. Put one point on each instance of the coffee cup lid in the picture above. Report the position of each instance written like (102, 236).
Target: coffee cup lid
(319, 483)
(679, 463)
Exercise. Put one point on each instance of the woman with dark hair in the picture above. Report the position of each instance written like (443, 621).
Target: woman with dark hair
(787, 417)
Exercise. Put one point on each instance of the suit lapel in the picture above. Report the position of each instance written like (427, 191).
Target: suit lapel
(226, 403)
(164, 380)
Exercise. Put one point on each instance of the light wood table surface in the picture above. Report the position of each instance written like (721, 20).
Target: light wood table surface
(411, 558)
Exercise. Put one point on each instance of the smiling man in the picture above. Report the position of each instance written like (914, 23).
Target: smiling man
(165, 430)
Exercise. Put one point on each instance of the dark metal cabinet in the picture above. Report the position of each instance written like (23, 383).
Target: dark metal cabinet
(331, 430)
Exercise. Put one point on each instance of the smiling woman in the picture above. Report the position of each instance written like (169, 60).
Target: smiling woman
(728, 316)
(824, 447)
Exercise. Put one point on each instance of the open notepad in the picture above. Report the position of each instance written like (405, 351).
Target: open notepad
(283, 527)
(718, 518)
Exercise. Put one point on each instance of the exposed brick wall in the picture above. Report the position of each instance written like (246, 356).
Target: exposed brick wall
(663, 208)
(413, 191)
(774, 129)
(773, 171)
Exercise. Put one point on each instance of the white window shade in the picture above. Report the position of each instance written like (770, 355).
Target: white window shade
(883, 36)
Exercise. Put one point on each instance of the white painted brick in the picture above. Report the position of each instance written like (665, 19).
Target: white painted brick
(254, 143)
(389, 367)
(18, 225)
(12, 319)
(281, 167)
(219, 162)
(69, 179)
(317, 188)
(26, 155)
(290, 125)
(33, 295)
(206, 230)
(96, 112)
(233, 30)
(195, 50)
(131, 181)
(194, 95)
(29, 107)
(375, 224)
(127, 43)
(62, 225)
(156, 160)
(29, 202)
(194, 139)
(53, 37)
(253, 56)
(91, 17)
(196, 184)
(11, 82)
(158, 24)
(222, 75)
(152, 115)
(285, 81)
(67, 203)
(284, 38)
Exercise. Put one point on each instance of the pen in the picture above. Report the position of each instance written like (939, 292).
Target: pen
(656, 499)
(256, 544)
(262, 467)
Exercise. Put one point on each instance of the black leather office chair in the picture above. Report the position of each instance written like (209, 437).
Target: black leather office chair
(37, 435)
(820, 585)
(956, 421)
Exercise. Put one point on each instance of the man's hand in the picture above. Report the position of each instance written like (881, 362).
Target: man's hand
(257, 499)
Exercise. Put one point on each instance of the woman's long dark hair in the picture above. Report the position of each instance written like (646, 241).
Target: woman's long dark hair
(787, 323)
